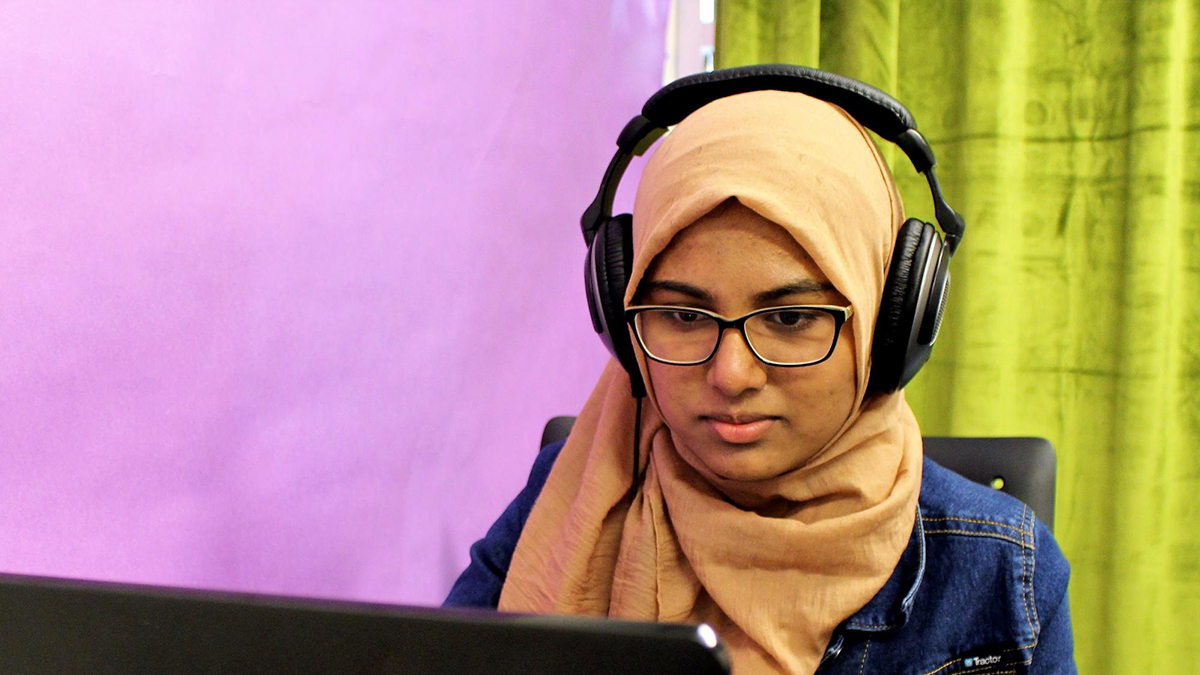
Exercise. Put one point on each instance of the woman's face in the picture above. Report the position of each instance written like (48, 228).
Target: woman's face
(732, 262)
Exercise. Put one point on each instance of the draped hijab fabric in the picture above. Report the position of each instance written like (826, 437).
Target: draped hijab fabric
(690, 546)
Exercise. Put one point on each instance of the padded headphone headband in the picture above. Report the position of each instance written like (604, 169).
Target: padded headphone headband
(871, 107)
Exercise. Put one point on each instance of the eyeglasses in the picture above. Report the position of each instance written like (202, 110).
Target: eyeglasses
(795, 335)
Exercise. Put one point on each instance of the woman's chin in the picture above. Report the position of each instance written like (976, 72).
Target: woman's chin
(742, 462)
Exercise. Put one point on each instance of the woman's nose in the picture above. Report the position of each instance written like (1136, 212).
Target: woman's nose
(734, 368)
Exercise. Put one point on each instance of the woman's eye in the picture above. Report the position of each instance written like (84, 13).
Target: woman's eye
(686, 317)
(791, 319)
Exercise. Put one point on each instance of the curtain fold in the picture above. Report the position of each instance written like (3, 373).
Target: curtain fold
(1068, 135)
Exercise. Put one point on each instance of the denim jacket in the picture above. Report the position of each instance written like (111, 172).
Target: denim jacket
(980, 589)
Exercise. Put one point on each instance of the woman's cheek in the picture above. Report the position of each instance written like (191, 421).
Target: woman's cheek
(671, 389)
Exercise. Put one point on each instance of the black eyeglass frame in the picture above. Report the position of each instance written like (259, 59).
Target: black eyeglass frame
(840, 316)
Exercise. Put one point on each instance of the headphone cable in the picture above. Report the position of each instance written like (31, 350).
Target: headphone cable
(637, 433)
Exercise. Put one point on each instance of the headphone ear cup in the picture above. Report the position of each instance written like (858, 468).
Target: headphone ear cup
(898, 306)
(934, 283)
(606, 277)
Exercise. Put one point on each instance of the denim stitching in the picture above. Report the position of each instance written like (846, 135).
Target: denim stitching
(1025, 582)
(862, 664)
(1036, 625)
(982, 522)
(943, 667)
(991, 535)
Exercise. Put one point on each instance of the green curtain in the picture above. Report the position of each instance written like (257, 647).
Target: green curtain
(1068, 135)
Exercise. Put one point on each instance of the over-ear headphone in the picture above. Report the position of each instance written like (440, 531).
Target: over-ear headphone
(914, 295)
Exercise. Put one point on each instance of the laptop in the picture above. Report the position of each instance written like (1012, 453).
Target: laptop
(77, 627)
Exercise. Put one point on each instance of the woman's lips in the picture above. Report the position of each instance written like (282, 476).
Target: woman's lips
(747, 431)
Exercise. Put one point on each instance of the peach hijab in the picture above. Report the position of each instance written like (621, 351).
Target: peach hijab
(690, 546)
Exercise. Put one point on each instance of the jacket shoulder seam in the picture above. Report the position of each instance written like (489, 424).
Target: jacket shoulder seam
(986, 535)
(977, 521)
(1027, 573)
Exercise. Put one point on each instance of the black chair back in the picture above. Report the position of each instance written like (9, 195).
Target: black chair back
(1021, 467)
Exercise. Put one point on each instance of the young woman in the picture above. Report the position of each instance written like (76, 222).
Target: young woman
(778, 497)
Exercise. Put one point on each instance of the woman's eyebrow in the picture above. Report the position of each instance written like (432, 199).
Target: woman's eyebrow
(679, 287)
(794, 288)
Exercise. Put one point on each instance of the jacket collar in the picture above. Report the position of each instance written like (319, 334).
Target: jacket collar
(891, 606)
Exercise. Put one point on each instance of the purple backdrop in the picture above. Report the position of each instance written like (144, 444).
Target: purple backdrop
(290, 287)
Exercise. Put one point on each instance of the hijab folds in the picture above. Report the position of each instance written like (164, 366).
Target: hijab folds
(689, 546)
